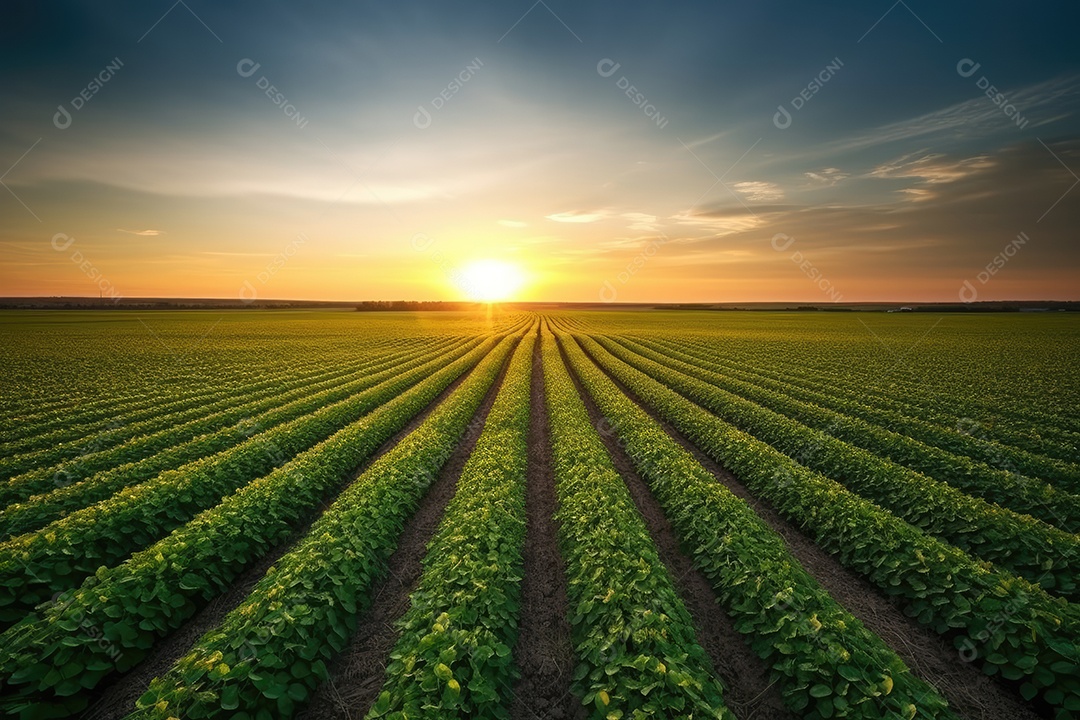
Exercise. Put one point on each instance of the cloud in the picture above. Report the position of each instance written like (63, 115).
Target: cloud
(142, 233)
(760, 191)
(932, 168)
(575, 216)
(964, 208)
(236, 254)
(640, 221)
(729, 221)
(513, 223)
(827, 176)
(1040, 103)
(917, 194)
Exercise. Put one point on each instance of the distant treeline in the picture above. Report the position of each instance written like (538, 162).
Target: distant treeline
(92, 303)
(996, 307)
(400, 305)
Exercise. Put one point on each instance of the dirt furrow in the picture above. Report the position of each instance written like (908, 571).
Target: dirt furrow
(358, 673)
(748, 689)
(543, 652)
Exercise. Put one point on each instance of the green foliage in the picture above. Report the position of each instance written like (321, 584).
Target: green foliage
(157, 589)
(269, 654)
(938, 452)
(634, 640)
(885, 438)
(127, 442)
(1009, 625)
(453, 657)
(1015, 542)
(1004, 447)
(179, 446)
(35, 566)
(827, 662)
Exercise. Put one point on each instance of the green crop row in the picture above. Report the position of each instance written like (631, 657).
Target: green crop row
(1019, 543)
(453, 657)
(127, 442)
(890, 410)
(1008, 625)
(948, 407)
(970, 463)
(227, 367)
(270, 653)
(40, 510)
(827, 662)
(633, 638)
(30, 408)
(119, 443)
(60, 555)
(47, 664)
(71, 421)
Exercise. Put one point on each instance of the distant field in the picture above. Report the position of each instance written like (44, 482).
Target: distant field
(333, 514)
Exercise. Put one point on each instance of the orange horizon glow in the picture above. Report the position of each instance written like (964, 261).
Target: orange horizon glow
(92, 267)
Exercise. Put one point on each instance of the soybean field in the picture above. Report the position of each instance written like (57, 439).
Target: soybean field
(320, 514)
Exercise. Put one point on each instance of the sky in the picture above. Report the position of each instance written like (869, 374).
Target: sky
(638, 152)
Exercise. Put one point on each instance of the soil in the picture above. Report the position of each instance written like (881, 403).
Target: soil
(971, 694)
(749, 692)
(358, 673)
(116, 699)
(543, 652)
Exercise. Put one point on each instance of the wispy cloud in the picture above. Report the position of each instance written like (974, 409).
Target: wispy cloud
(929, 170)
(575, 216)
(760, 190)
(729, 222)
(640, 221)
(977, 117)
(142, 233)
(236, 254)
(932, 167)
(827, 176)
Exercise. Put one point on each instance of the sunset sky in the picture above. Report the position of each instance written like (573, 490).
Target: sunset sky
(656, 152)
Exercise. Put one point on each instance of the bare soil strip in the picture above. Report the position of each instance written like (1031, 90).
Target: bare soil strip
(543, 653)
(748, 689)
(358, 673)
(970, 693)
(117, 699)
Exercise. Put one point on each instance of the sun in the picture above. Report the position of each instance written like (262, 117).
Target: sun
(490, 280)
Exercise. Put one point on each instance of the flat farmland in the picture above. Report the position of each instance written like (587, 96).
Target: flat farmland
(516, 514)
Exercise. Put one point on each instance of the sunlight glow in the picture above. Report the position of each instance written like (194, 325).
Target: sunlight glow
(490, 280)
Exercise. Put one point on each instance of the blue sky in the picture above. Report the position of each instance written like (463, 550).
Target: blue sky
(897, 177)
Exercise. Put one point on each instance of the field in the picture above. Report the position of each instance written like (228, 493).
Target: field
(330, 514)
